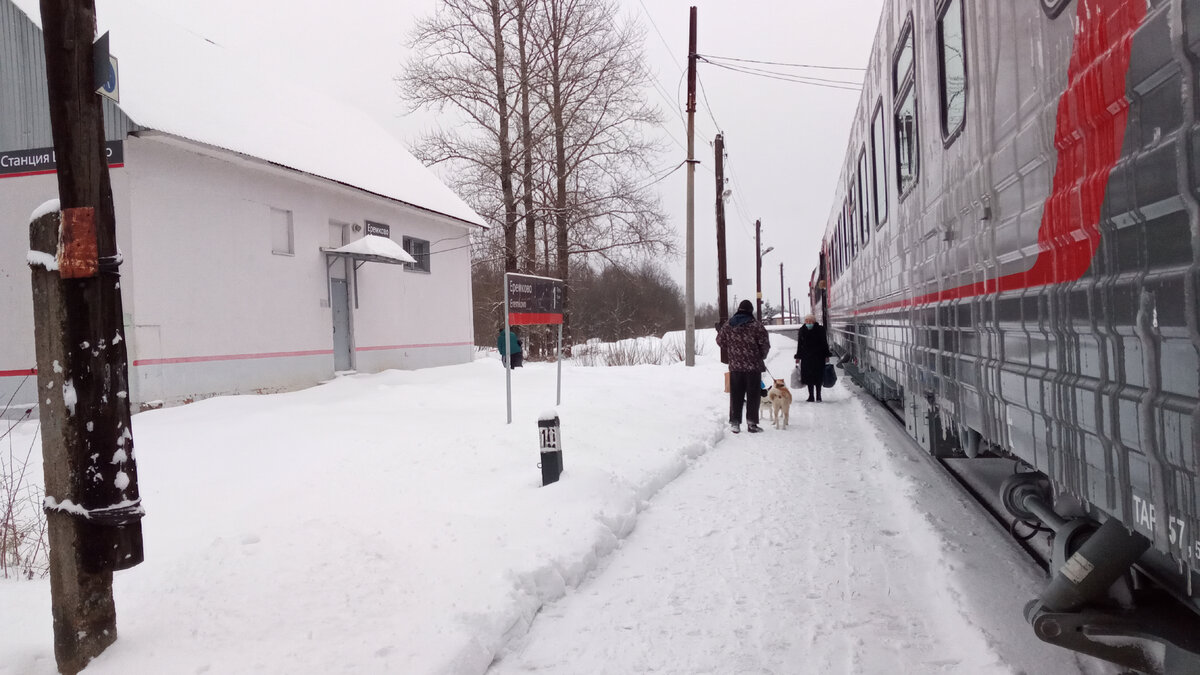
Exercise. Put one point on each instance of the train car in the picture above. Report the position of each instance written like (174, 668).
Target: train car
(1013, 264)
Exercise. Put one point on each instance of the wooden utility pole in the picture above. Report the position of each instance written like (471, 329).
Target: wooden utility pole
(689, 337)
(791, 305)
(758, 254)
(781, 296)
(722, 271)
(92, 501)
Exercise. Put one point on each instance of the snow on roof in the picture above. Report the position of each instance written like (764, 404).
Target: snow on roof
(374, 245)
(174, 81)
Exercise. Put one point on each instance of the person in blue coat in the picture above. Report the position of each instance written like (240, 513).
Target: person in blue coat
(511, 345)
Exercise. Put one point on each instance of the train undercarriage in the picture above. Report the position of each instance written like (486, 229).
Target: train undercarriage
(1110, 594)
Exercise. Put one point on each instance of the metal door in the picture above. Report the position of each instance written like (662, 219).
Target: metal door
(342, 346)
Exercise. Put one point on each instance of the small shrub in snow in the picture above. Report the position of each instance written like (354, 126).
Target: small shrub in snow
(23, 539)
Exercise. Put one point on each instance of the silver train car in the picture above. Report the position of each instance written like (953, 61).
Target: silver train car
(1013, 264)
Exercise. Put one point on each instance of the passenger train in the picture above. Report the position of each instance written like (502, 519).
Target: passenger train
(1013, 265)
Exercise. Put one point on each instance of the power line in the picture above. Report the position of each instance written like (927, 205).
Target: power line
(794, 79)
(646, 11)
(659, 88)
(704, 94)
(764, 71)
(780, 63)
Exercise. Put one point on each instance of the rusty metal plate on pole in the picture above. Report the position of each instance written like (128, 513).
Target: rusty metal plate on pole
(77, 254)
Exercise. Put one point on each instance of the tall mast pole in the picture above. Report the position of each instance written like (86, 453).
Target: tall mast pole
(722, 273)
(689, 342)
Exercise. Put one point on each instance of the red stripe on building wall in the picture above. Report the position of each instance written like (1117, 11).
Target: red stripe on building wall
(1096, 100)
(18, 373)
(530, 319)
(44, 173)
(439, 344)
(229, 357)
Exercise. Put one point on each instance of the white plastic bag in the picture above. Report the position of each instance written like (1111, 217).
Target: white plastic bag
(796, 377)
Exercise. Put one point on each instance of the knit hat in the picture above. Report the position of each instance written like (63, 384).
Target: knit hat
(746, 306)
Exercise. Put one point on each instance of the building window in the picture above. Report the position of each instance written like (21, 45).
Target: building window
(283, 238)
(953, 66)
(879, 157)
(419, 249)
(907, 148)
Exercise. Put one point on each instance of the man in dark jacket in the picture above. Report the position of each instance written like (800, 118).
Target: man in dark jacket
(812, 351)
(746, 343)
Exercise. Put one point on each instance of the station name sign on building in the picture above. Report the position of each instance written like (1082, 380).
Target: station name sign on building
(379, 229)
(534, 300)
(39, 161)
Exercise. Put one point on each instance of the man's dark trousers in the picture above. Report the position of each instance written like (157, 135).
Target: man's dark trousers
(744, 390)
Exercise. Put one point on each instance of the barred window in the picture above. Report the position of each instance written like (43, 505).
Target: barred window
(419, 249)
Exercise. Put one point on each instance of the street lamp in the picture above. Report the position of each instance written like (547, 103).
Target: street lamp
(758, 275)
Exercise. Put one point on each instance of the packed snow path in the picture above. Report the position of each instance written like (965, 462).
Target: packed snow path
(393, 523)
(782, 552)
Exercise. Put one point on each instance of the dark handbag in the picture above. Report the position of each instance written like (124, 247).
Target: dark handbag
(830, 376)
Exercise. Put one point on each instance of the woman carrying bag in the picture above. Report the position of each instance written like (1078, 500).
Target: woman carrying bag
(812, 352)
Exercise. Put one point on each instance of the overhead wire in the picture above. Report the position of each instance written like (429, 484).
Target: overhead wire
(764, 71)
(781, 63)
(795, 79)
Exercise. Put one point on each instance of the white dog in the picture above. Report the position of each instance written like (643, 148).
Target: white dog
(780, 399)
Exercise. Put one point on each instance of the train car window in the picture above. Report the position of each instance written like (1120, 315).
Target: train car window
(903, 61)
(906, 142)
(906, 127)
(851, 237)
(864, 198)
(837, 249)
(952, 66)
(879, 158)
(1053, 7)
(852, 213)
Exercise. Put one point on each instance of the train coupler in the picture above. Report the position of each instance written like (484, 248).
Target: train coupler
(1157, 636)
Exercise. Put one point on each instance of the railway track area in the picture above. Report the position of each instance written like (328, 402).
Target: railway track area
(981, 478)
(993, 571)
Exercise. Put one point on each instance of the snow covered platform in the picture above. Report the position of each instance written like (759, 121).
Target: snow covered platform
(394, 523)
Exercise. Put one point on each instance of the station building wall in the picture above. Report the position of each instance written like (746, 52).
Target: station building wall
(211, 308)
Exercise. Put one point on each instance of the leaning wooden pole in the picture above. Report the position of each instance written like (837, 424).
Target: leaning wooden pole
(92, 501)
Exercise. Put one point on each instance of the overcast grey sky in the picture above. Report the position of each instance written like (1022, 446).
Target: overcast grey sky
(785, 142)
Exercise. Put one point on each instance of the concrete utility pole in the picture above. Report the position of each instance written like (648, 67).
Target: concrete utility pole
(92, 501)
(689, 334)
(722, 271)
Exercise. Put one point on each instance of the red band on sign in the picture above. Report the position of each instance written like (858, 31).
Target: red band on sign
(46, 172)
(530, 319)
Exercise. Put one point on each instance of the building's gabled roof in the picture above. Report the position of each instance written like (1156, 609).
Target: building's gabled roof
(173, 81)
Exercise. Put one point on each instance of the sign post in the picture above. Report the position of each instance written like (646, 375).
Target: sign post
(531, 301)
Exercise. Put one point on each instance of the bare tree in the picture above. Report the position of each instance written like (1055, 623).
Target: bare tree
(593, 76)
(581, 158)
(461, 65)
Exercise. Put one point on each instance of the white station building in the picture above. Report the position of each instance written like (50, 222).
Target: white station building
(265, 230)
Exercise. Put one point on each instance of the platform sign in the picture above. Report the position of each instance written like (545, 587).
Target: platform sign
(104, 75)
(532, 301)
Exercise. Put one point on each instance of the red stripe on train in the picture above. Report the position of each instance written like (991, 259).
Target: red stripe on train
(1070, 231)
